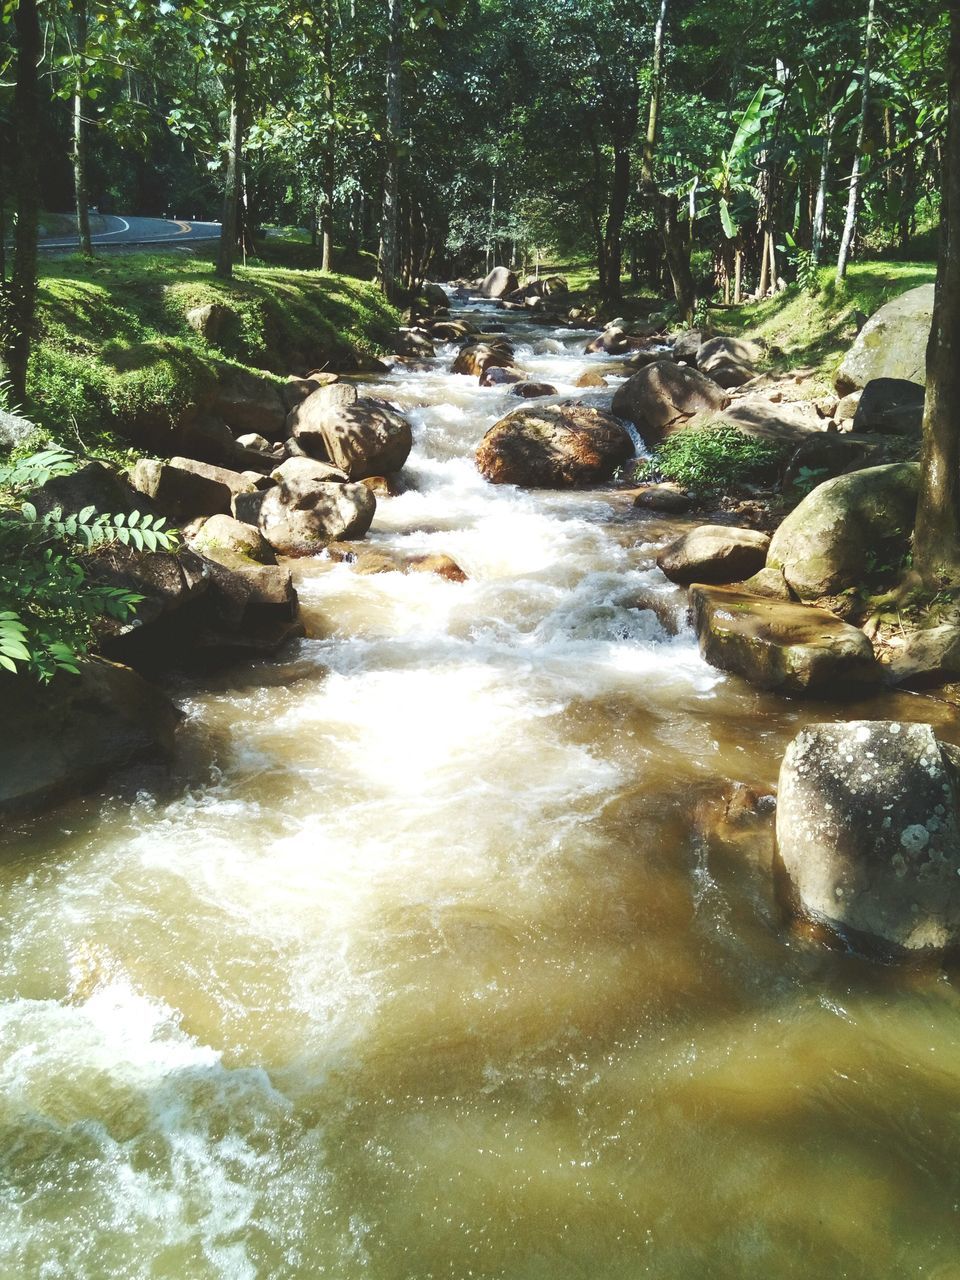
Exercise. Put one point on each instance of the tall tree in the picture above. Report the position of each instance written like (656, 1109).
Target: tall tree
(936, 544)
(853, 196)
(388, 258)
(19, 302)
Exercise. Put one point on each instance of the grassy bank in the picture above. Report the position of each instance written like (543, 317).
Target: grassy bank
(114, 343)
(812, 328)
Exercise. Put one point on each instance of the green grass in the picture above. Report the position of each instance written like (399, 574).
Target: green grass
(114, 343)
(812, 330)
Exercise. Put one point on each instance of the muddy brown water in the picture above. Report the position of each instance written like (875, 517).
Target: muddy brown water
(441, 957)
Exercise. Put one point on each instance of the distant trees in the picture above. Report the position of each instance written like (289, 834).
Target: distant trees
(719, 148)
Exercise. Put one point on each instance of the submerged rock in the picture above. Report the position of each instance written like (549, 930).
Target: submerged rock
(776, 644)
(67, 735)
(714, 553)
(868, 833)
(554, 446)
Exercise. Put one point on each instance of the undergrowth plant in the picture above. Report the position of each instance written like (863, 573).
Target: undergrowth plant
(49, 606)
(712, 460)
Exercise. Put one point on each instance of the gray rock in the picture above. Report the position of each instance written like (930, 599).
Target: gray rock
(499, 282)
(15, 430)
(892, 344)
(246, 402)
(306, 470)
(300, 519)
(665, 498)
(929, 657)
(184, 488)
(613, 341)
(847, 530)
(231, 543)
(213, 320)
(412, 342)
(776, 644)
(867, 831)
(63, 737)
(687, 344)
(890, 406)
(730, 362)
(714, 553)
(664, 396)
(95, 484)
(361, 437)
(532, 390)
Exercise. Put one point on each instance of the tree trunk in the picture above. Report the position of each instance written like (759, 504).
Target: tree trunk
(18, 314)
(656, 90)
(820, 208)
(675, 244)
(853, 198)
(387, 268)
(79, 155)
(329, 151)
(233, 181)
(677, 250)
(936, 542)
(613, 245)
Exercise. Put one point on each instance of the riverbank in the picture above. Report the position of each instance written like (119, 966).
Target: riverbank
(124, 341)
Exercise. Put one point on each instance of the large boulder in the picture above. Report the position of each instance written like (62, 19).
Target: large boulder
(300, 518)
(247, 402)
(231, 542)
(92, 485)
(613, 340)
(360, 436)
(848, 531)
(475, 358)
(868, 833)
(892, 344)
(890, 406)
(663, 396)
(554, 447)
(499, 282)
(930, 656)
(714, 553)
(412, 342)
(15, 430)
(730, 362)
(434, 295)
(64, 736)
(776, 644)
(194, 604)
(184, 488)
(686, 345)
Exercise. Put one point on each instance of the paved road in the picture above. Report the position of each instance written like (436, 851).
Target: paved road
(131, 232)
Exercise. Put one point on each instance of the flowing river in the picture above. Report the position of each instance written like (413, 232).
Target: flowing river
(442, 957)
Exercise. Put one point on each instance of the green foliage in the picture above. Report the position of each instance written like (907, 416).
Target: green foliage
(713, 460)
(49, 607)
(115, 350)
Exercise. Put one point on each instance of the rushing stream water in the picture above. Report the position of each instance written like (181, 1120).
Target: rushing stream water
(440, 959)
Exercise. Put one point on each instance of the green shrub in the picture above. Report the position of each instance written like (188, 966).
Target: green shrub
(713, 460)
(48, 606)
